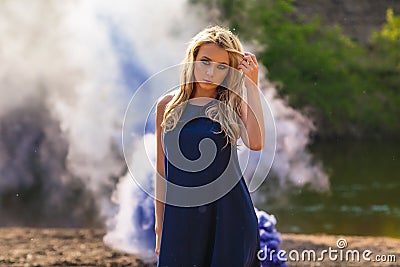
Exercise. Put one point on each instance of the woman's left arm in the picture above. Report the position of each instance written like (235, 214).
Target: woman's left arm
(253, 133)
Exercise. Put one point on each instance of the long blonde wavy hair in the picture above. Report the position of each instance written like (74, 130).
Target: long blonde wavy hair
(229, 94)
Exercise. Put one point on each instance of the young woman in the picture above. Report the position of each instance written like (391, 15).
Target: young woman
(222, 229)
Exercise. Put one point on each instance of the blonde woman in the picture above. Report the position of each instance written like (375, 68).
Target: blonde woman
(217, 226)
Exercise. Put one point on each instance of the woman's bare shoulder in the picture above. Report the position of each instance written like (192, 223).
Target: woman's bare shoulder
(163, 101)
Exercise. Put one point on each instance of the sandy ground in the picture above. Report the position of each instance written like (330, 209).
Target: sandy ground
(84, 247)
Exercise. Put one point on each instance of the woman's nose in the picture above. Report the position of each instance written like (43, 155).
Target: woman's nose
(210, 70)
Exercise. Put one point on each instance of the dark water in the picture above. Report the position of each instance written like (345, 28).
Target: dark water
(364, 197)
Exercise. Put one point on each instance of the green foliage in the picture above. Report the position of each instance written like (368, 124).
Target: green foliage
(391, 29)
(387, 41)
(350, 89)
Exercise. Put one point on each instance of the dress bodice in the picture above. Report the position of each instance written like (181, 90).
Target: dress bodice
(196, 154)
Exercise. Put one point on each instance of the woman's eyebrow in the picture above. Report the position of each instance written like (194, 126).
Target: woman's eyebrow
(213, 61)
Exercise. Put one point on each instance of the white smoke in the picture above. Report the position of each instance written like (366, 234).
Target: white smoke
(50, 70)
(292, 163)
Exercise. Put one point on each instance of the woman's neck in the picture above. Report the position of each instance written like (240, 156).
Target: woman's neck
(202, 98)
(201, 93)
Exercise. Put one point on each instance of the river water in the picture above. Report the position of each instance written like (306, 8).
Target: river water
(364, 197)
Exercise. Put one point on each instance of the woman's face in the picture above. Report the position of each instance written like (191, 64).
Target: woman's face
(211, 67)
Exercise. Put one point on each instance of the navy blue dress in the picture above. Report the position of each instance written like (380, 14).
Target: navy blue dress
(223, 232)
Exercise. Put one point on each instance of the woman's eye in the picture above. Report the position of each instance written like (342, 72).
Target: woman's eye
(222, 67)
(205, 62)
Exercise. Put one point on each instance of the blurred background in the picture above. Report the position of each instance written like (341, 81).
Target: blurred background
(331, 76)
(338, 62)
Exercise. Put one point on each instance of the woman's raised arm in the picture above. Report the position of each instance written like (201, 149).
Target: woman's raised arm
(253, 133)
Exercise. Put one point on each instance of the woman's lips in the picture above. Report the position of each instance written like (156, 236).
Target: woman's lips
(207, 81)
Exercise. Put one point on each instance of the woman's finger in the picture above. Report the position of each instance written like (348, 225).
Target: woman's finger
(249, 59)
(253, 57)
(244, 68)
(246, 63)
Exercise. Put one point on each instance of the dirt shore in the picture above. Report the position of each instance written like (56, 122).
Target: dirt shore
(84, 247)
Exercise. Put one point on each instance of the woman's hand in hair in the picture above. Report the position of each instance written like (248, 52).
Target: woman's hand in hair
(253, 132)
(249, 66)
